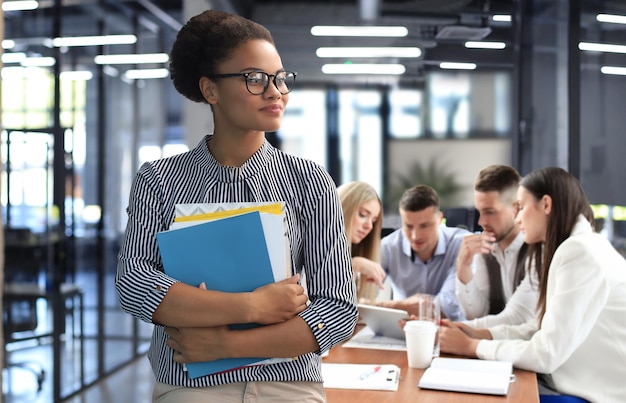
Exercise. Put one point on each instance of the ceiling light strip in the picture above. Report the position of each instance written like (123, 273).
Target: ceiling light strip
(14, 57)
(501, 17)
(457, 66)
(146, 74)
(484, 45)
(602, 47)
(409, 52)
(613, 70)
(20, 5)
(372, 31)
(611, 18)
(132, 58)
(38, 62)
(364, 68)
(94, 40)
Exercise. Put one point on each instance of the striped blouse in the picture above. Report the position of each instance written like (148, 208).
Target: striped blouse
(316, 235)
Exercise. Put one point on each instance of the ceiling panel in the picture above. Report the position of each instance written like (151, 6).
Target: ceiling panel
(157, 21)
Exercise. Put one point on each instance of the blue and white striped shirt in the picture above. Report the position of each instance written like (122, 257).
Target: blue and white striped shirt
(316, 234)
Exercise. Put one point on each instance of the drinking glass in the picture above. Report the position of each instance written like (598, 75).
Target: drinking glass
(429, 308)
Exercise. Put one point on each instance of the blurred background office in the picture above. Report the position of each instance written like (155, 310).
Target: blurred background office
(431, 93)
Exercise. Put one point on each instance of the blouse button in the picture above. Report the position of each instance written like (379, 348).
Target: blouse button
(320, 326)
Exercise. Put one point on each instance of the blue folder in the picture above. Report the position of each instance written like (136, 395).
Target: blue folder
(228, 254)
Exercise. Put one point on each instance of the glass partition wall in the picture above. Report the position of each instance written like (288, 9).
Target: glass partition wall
(71, 131)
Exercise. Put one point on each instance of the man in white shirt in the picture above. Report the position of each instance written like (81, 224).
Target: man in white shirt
(492, 285)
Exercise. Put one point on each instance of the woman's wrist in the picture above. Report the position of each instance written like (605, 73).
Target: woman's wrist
(356, 265)
(473, 348)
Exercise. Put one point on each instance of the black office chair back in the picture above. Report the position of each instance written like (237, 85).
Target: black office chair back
(22, 265)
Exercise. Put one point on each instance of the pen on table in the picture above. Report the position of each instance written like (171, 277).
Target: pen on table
(367, 374)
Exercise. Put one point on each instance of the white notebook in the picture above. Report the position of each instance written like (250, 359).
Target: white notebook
(468, 375)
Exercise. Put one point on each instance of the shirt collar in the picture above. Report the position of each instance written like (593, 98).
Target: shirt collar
(442, 242)
(250, 168)
(582, 226)
(440, 249)
(513, 247)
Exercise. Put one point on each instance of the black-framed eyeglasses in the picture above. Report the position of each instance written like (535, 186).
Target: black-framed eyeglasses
(258, 81)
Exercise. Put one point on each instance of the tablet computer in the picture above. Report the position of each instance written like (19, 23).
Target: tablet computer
(383, 321)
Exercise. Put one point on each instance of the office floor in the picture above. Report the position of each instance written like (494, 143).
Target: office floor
(132, 383)
(129, 380)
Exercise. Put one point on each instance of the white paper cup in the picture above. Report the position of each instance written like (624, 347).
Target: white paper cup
(420, 338)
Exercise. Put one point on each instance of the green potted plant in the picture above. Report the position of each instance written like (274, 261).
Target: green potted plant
(432, 174)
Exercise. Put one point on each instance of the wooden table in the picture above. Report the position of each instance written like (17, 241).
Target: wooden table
(524, 389)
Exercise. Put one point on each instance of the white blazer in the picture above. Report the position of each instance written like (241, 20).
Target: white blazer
(582, 338)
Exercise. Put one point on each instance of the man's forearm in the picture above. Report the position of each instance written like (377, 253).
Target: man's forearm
(464, 273)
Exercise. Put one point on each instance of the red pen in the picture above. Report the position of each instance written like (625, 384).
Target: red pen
(370, 373)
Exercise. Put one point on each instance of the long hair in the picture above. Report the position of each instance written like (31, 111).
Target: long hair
(568, 202)
(352, 196)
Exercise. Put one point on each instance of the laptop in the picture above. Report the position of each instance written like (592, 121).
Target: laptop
(383, 321)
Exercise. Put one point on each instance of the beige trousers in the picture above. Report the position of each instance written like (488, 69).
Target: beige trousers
(242, 392)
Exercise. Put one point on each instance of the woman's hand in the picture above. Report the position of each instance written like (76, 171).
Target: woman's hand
(454, 338)
(196, 344)
(369, 270)
(277, 302)
(272, 303)
(470, 331)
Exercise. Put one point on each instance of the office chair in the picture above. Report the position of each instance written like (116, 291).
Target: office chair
(384, 231)
(20, 315)
(463, 217)
(561, 399)
(22, 266)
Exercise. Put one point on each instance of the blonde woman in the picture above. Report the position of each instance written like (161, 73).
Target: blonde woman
(363, 215)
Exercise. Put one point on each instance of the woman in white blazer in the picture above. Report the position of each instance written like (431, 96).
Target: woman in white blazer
(580, 337)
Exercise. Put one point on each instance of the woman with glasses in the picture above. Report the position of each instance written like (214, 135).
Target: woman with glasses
(578, 346)
(231, 64)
